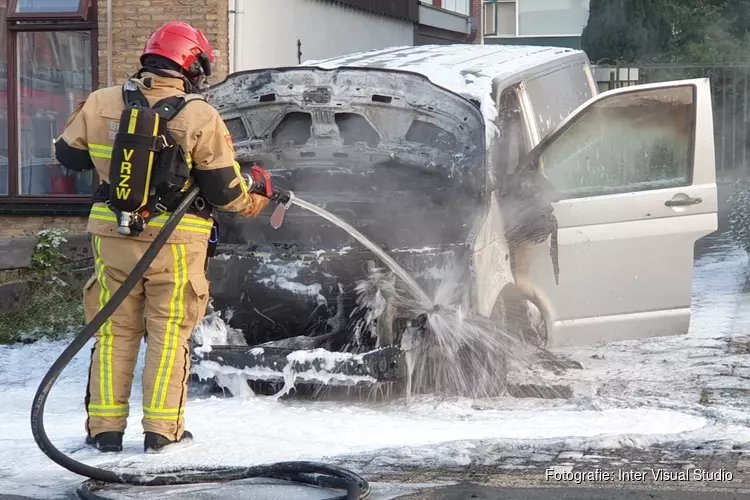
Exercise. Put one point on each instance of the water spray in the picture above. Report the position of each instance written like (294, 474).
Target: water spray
(446, 349)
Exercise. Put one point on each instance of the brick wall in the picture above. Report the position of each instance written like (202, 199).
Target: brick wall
(132, 23)
(134, 20)
(476, 12)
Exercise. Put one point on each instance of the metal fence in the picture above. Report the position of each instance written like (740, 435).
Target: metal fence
(729, 90)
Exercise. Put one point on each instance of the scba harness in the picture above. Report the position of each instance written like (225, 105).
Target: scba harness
(148, 169)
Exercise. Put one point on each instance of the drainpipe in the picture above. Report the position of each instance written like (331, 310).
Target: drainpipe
(109, 43)
(238, 12)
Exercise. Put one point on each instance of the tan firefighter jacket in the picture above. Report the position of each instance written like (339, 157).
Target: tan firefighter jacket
(87, 140)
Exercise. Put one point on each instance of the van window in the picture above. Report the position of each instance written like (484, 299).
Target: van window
(557, 94)
(635, 141)
(511, 144)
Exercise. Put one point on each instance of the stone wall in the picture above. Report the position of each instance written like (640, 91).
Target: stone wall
(22, 285)
(13, 226)
(134, 20)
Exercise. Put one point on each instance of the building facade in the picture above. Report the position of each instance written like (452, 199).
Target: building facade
(56, 52)
(448, 21)
(267, 33)
(557, 23)
(274, 33)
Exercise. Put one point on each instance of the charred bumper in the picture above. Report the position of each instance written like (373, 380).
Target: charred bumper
(309, 366)
(283, 293)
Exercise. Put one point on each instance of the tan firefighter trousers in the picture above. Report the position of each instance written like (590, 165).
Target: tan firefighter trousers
(167, 303)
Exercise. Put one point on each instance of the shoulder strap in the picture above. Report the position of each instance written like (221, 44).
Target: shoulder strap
(169, 107)
(133, 96)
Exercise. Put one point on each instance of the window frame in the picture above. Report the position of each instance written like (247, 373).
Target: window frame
(535, 155)
(485, 4)
(525, 144)
(496, 33)
(82, 14)
(41, 23)
(462, 7)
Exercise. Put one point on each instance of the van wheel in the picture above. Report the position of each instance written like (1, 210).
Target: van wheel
(522, 318)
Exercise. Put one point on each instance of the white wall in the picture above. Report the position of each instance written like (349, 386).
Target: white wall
(270, 29)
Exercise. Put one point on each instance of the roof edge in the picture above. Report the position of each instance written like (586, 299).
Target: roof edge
(405, 10)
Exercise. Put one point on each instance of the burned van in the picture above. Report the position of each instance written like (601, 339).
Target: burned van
(429, 152)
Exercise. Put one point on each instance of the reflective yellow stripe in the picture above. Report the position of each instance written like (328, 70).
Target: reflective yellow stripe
(174, 322)
(132, 123)
(173, 418)
(157, 224)
(177, 323)
(238, 171)
(99, 413)
(180, 255)
(103, 210)
(243, 185)
(100, 151)
(109, 407)
(150, 166)
(172, 414)
(105, 343)
(163, 411)
(108, 410)
(191, 225)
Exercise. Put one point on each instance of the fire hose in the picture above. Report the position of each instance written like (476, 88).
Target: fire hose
(302, 472)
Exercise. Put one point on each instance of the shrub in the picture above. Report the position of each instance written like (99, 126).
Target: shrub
(739, 218)
(54, 306)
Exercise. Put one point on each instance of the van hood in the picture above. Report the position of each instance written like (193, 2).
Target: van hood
(397, 157)
(381, 148)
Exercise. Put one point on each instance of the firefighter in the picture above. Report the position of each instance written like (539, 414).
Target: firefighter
(172, 296)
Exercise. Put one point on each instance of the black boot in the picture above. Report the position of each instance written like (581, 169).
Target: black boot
(153, 442)
(110, 441)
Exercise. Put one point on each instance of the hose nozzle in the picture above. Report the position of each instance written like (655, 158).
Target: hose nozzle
(261, 184)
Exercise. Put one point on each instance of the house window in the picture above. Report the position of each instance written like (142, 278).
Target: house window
(552, 17)
(42, 7)
(458, 6)
(50, 67)
(499, 17)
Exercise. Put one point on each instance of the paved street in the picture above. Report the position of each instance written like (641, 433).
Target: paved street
(704, 374)
(578, 475)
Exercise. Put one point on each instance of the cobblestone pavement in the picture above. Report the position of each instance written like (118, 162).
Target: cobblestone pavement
(660, 469)
(611, 475)
(707, 372)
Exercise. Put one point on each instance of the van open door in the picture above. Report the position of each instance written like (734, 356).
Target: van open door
(634, 177)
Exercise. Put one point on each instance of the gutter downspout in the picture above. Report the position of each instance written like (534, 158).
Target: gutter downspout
(109, 43)
(237, 43)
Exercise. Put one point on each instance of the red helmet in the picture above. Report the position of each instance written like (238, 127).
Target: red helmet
(183, 44)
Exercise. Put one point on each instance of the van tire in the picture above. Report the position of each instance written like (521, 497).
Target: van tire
(515, 310)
